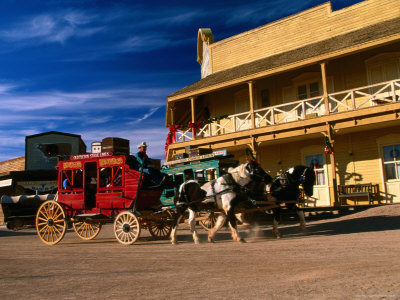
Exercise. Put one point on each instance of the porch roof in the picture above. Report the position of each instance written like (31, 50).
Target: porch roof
(259, 68)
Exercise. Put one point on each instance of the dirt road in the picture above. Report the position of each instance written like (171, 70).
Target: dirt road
(350, 257)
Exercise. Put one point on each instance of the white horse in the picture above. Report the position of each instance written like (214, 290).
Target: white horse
(225, 193)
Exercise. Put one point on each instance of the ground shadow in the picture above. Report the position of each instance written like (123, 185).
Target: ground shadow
(6, 232)
(358, 225)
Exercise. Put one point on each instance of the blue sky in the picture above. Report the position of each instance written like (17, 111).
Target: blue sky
(105, 68)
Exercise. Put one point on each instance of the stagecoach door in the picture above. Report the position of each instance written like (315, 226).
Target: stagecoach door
(90, 184)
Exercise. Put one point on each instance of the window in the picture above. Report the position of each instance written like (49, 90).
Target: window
(309, 90)
(306, 91)
(391, 161)
(265, 98)
(316, 162)
(199, 176)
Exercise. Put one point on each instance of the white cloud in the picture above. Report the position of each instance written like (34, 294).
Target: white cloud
(57, 27)
(6, 87)
(95, 100)
(146, 116)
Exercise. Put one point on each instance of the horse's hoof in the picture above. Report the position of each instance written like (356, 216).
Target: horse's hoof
(174, 243)
(211, 240)
(303, 228)
(276, 235)
(242, 241)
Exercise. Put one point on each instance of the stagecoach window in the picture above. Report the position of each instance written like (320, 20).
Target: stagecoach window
(316, 162)
(67, 174)
(110, 176)
(178, 179)
(78, 179)
(200, 176)
(391, 161)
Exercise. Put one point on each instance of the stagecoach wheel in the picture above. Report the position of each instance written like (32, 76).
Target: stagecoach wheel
(51, 225)
(126, 228)
(210, 221)
(161, 228)
(87, 231)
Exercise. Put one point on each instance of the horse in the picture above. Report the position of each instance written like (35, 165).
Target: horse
(285, 187)
(226, 192)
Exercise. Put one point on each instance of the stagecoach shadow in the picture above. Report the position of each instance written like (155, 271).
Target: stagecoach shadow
(8, 232)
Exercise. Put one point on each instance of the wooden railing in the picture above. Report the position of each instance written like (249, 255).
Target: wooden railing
(349, 100)
(381, 93)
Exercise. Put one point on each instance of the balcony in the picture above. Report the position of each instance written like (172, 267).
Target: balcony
(338, 102)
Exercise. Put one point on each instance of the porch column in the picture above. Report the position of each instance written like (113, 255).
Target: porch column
(253, 121)
(254, 148)
(193, 109)
(325, 87)
(333, 190)
(172, 113)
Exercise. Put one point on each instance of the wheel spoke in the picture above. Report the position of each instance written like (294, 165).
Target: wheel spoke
(44, 227)
(50, 222)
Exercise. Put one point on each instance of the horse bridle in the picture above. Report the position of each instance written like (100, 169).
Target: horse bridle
(301, 179)
(253, 174)
(303, 176)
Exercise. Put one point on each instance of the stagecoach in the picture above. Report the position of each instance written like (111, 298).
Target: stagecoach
(202, 168)
(100, 188)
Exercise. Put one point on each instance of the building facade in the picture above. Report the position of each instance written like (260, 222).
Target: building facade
(288, 89)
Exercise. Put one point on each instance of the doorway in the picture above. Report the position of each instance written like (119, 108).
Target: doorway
(90, 184)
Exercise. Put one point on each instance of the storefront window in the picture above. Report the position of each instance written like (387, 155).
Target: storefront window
(316, 162)
(391, 160)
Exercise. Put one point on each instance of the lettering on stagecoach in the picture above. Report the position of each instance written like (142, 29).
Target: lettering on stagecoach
(110, 161)
(72, 165)
(90, 155)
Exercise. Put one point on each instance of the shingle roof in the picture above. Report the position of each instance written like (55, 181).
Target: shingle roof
(331, 45)
(14, 164)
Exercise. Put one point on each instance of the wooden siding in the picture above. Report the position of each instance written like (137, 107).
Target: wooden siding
(15, 164)
(283, 35)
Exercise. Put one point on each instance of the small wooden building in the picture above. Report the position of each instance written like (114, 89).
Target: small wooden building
(43, 150)
(288, 89)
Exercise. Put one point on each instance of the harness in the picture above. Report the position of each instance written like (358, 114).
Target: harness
(285, 181)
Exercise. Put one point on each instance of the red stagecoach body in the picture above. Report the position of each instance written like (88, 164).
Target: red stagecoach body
(102, 184)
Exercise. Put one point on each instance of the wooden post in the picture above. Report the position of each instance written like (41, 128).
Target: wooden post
(325, 88)
(253, 121)
(333, 191)
(193, 108)
(172, 113)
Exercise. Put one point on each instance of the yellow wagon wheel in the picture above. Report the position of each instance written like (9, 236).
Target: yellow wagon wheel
(51, 225)
(87, 231)
(126, 228)
(209, 221)
(161, 227)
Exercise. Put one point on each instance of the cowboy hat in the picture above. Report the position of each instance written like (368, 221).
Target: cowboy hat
(142, 144)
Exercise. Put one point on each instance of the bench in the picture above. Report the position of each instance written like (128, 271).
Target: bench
(368, 190)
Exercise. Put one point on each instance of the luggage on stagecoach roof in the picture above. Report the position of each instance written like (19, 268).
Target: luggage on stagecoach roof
(115, 145)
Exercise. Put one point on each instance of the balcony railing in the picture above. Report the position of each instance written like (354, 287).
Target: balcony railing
(350, 100)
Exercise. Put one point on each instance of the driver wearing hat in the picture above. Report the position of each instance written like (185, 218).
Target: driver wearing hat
(145, 163)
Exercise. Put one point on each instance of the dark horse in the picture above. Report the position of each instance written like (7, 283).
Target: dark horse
(285, 187)
(226, 192)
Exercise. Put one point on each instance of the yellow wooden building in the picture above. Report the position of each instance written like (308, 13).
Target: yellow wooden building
(282, 89)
